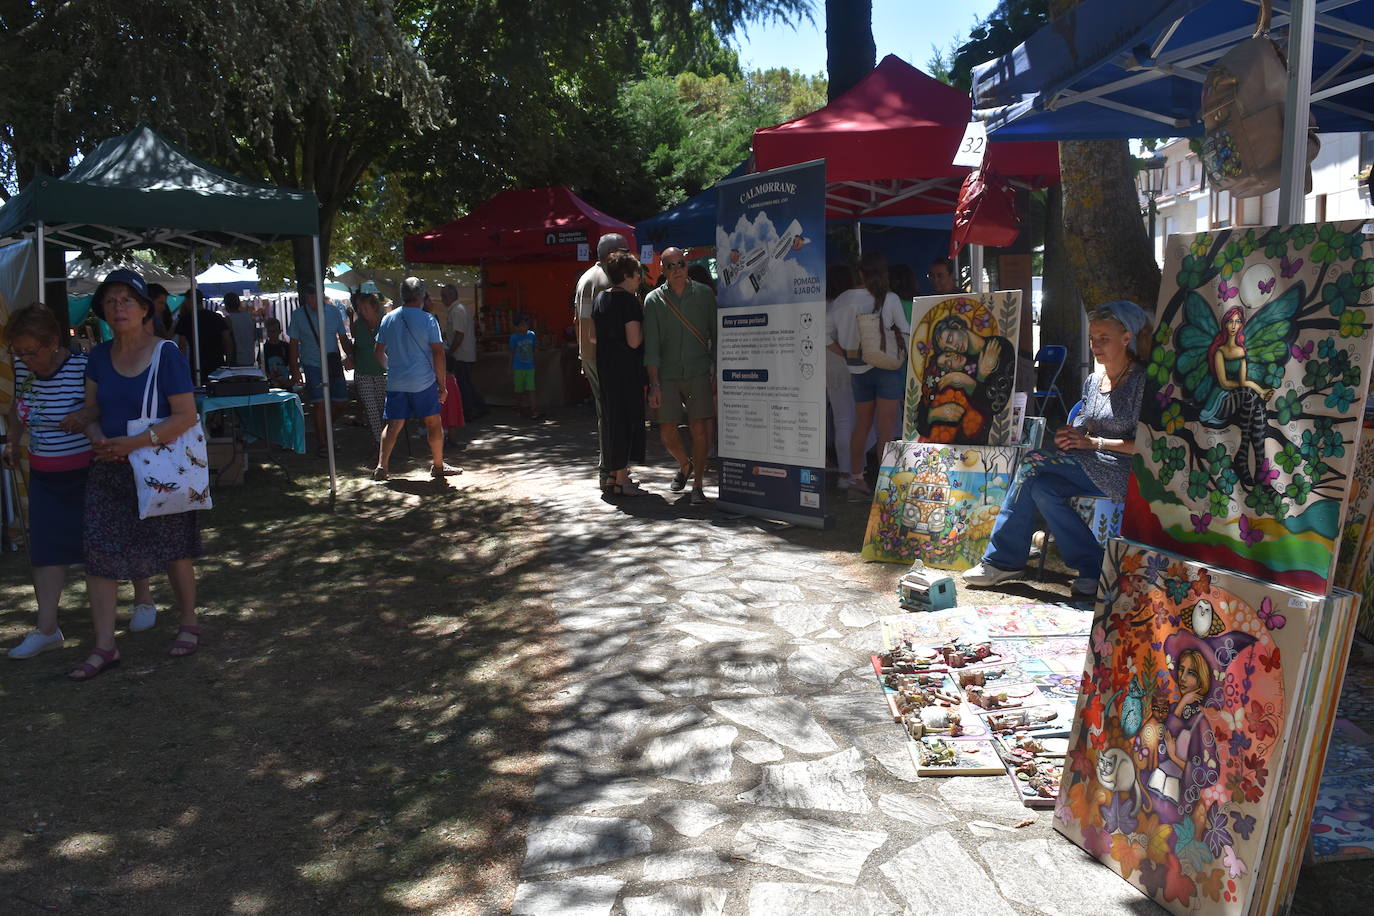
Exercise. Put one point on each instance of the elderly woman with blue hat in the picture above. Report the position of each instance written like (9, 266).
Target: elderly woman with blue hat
(1092, 457)
(119, 544)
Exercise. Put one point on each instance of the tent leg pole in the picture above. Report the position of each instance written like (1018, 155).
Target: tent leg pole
(859, 236)
(324, 368)
(195, 326)
(1293, 180)
(975, 267)
(42, 265)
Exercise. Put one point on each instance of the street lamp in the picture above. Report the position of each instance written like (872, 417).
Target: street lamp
(1149, 181)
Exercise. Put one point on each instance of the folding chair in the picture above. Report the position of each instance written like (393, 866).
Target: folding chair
(1049, 363)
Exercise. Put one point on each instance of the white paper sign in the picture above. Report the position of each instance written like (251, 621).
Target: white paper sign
(973, 146)
(584, 251)
(646, 254)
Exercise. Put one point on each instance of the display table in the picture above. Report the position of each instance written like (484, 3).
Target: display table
(276, 416)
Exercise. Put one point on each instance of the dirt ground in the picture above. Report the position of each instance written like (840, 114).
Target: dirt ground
(359, 734)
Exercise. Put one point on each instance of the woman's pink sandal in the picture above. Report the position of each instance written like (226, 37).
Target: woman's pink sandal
(184, 647)
(85, 671)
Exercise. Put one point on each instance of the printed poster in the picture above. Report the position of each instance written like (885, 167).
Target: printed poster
(1256, 386)
(770, 357)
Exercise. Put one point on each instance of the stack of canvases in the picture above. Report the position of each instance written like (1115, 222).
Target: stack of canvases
(940, 487)
(1220, 643)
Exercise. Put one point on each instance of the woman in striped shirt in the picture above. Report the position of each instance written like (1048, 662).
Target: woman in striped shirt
(49, 385)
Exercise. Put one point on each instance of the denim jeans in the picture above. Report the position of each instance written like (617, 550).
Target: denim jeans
(1044, 482)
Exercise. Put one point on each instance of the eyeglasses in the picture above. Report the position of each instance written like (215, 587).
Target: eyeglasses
(674, 265)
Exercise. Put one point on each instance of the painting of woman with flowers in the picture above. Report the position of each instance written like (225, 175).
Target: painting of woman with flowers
(1185, 705)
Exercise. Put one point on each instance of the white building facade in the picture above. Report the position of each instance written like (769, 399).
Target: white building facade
(1188, 204)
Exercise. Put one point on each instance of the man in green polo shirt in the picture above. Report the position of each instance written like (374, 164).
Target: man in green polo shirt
(679, 347)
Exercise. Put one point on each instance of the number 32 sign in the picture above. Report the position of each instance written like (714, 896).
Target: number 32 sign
(973, 146)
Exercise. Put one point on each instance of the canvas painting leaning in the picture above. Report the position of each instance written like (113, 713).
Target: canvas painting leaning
(1256, 387)
(963, 368)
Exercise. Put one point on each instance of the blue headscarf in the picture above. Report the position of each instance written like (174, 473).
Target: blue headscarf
(1131, 316)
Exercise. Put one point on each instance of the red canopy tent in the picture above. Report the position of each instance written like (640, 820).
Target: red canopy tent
(527, 244)
(537, 224)
(888, 143)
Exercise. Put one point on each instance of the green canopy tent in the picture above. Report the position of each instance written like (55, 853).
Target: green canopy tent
(138, 190)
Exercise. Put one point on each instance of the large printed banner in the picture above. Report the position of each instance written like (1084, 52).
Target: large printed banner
(770, 356)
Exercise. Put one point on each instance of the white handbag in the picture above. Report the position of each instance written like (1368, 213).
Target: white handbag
(175, 476)
(874, 345)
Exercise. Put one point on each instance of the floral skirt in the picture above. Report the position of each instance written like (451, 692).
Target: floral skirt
(120, 545)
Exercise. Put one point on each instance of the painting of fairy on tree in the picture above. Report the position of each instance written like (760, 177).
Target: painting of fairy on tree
(1255, 391)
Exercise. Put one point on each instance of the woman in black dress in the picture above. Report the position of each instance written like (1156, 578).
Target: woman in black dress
(619, 319)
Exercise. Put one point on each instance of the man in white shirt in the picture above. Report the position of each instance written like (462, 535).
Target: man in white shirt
(593, 281)
(462, 352)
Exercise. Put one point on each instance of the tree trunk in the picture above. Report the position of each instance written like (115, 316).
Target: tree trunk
(1109, 250)
(849, 50)
(1061, 311)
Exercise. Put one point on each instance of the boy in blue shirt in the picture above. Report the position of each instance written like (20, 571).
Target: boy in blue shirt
(522, 367)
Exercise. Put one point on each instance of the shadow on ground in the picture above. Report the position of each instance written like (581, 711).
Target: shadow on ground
(359, 733)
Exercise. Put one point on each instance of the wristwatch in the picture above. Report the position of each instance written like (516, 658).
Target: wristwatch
(152, 437)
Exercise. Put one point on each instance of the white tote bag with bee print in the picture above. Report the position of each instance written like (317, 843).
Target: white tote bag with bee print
(174, 476)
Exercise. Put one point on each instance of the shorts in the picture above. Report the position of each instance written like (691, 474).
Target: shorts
(524, 380)
(883, 384)
(403, 405)
(314, 386)
(686, 399)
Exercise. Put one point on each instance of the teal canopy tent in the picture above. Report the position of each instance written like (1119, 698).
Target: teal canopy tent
(138, 190)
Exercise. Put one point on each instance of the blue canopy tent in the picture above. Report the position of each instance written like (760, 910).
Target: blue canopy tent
(690, 223)
(1108, 70)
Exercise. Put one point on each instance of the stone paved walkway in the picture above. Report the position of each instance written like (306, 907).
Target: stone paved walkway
(725, 750)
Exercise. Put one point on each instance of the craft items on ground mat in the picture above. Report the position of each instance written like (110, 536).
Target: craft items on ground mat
(1206, 704)
(980, 622)
(937, 503)
(972, 705)
(1255, 393)
(963, 368)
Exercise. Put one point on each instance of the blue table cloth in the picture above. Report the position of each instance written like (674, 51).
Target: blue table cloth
(276, 416)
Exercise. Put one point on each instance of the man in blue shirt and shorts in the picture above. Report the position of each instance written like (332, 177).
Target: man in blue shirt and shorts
(411, 348)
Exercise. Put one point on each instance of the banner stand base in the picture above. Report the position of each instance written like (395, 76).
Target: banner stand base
(822, 523)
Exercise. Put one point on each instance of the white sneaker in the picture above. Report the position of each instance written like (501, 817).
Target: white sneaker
(36, 642)
(1084, 587)
(145, 616)
(984, 576)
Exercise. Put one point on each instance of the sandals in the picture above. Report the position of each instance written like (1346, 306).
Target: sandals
(109, 658)
(626, 489)
(184, 647)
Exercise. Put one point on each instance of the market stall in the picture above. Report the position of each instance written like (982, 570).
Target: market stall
(1276, 548)
(531, 246)
(139, 191)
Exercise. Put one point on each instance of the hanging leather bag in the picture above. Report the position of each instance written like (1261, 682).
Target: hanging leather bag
(986, 212)
(1243, 102)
